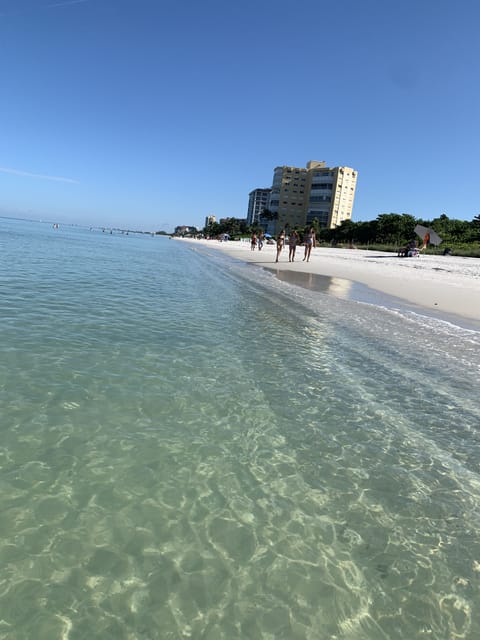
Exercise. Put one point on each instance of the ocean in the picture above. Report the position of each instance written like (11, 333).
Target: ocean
(192, 448)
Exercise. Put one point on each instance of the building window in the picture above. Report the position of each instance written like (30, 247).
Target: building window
(320, 199)
(322, 185)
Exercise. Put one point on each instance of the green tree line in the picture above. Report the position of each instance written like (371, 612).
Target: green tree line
(388, 230)
(398, 228)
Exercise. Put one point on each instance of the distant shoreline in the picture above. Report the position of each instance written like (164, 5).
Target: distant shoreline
(445, 285)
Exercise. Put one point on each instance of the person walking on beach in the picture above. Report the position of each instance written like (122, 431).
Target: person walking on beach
(292, 246)
(280, 243)
(260, 240)
(309, 241)
(253, 241)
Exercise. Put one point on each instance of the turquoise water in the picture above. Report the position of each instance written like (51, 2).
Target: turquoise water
(191, 448)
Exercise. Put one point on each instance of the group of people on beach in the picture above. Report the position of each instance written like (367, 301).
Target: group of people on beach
(309, 241)
(411, 248)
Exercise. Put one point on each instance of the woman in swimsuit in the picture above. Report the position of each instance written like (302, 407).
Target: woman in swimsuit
(292, 246)
(309, 242)
(280, 243)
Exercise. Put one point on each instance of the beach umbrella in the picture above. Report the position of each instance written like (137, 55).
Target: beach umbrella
(267, 235)
(422, 231)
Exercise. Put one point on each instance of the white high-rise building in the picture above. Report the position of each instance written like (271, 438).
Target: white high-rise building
(211, 219)
(257, 202)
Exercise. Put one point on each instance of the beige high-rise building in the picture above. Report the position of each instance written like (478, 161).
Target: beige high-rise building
(299, 196)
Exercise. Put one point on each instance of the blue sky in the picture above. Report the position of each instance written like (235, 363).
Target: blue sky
(147, 114)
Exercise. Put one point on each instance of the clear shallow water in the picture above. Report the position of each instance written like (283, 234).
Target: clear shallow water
(191, 448)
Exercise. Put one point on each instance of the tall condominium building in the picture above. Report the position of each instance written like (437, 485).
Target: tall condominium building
(257, 202)
(298, 195)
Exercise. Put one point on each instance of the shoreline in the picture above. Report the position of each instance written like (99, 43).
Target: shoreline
(447, 287)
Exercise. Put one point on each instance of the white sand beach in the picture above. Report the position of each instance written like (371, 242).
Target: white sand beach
(445, 284)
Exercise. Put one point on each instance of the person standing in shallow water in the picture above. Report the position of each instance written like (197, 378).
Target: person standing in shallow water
(292, 246)
(309, 241)
(280, 243)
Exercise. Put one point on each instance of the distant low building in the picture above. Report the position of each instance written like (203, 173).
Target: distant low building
(184, 230)
(232, 219)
